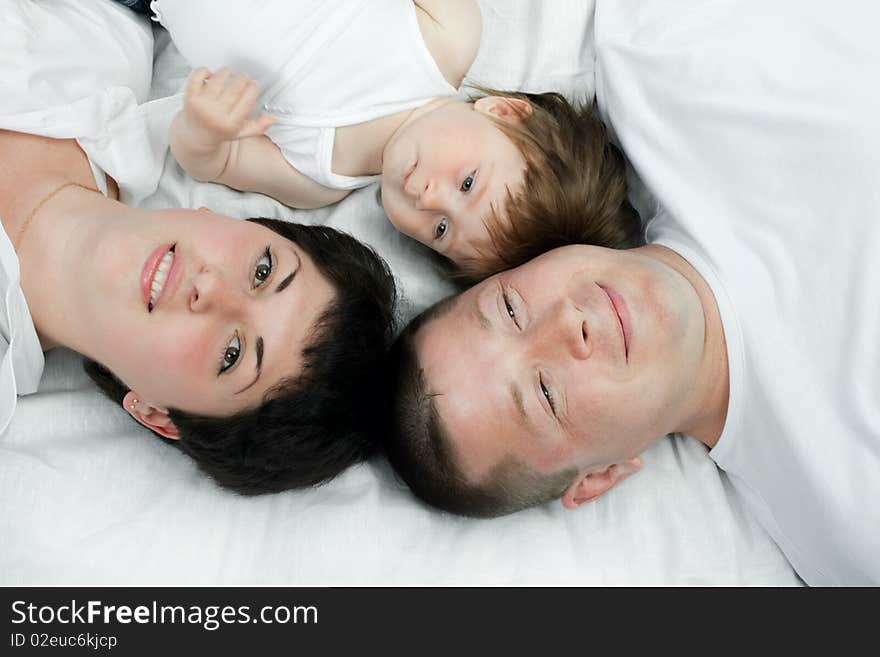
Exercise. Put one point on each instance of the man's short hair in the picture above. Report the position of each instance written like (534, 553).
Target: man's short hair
(419, 449)
(314, 425)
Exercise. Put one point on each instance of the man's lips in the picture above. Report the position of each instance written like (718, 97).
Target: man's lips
(618, 304)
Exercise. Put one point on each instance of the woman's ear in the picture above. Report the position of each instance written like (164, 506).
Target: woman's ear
(151, 417)
(512, 110)
(590, 485)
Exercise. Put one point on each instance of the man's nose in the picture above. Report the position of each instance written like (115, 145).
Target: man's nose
(565, 331)
(210, 291)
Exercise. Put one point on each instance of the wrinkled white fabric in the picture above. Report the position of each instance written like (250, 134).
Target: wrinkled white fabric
(89, 497)
(21, 357)
(755, 126)
(64, 74)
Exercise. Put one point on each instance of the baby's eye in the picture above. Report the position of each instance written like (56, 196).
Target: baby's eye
(263, 269)
(230, 354)
(440, 230)
(467, 183)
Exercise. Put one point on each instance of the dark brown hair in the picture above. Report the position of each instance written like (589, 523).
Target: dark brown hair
(312, 426)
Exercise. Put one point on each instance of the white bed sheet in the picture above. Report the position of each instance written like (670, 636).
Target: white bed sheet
(89, 498)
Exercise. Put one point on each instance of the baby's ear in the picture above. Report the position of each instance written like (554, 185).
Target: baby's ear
(512, 110)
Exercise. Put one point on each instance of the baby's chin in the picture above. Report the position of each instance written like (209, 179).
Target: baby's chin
(388, 206)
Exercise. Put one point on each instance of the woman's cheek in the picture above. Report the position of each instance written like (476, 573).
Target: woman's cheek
(190, 353)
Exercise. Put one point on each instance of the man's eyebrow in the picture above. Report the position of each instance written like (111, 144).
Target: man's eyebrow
(481, 318)
(259, 349)
(518, 402)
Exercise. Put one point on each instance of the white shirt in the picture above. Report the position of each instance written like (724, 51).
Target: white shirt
(21, 357)
(320, 65)
(756, 127)
(95, 102)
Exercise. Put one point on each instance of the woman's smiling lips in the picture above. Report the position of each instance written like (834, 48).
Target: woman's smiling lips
(159, 275)
(618, 304)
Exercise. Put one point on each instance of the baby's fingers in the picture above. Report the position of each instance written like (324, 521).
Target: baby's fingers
(254, 127)
(197, 81)
(235, 88)
(246, 98)
(242, 111)
(215, 84)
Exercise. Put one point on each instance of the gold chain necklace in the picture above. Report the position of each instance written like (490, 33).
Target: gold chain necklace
(46, 199)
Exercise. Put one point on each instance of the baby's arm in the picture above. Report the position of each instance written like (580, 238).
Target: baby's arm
(451, 30)
(215, 140)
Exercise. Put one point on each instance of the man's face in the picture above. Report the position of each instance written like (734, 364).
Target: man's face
(580, 358)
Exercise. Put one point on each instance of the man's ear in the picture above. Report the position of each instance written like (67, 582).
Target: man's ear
(151, 417)
(590, 485)
(511, 110)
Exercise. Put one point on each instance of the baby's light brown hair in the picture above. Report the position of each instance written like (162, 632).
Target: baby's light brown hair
(574, 190)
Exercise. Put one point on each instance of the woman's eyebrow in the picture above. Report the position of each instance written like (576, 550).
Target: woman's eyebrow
(283, 284)
(259, 342)
(289, 278)
(259, 350)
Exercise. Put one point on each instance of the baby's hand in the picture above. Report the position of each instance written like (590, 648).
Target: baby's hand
(217, 107)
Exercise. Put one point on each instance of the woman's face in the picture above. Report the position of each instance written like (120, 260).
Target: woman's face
(198, 311)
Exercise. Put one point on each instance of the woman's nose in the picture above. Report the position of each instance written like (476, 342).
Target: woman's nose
(210, 291)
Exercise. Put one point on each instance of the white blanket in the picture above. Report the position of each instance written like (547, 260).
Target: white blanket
(88, 497)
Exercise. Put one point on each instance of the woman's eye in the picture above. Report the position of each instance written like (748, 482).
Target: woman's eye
(230, 354)
(467, 183)
(440, 230)
(263, 269)
(547, 395)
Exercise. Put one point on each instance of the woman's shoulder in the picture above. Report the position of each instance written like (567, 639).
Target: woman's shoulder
(451, 30)
(32, 166)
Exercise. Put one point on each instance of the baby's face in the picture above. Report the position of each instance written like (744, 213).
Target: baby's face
(444, 174)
